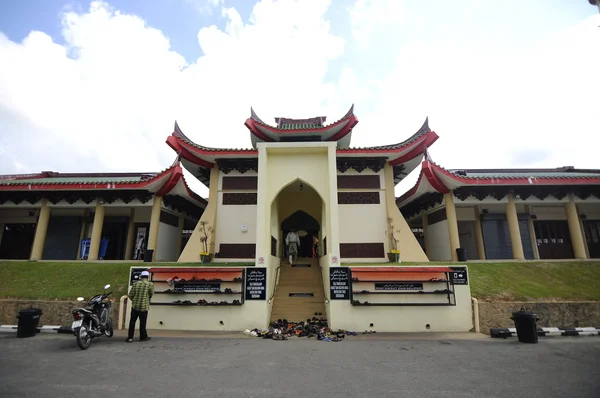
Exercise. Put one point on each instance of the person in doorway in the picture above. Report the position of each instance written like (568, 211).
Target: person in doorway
(292, 240)
(140, 294)
(315, 247)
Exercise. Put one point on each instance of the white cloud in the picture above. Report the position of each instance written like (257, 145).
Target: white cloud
(368, 16)
(487, 106)
(108, 98)
(204, 6)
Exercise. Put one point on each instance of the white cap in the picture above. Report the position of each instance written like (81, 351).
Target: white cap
(145, 273)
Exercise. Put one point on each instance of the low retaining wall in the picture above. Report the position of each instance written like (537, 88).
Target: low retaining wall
(56, 313)
(491, 315)
(549, 314)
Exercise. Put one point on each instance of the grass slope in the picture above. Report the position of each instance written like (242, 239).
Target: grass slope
(528, 281)
(508, 281)
(536, 281)
(68, 280)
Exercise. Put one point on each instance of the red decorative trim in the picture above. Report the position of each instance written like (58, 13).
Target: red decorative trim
(411, 191)
(436, 183)
(345, 130)
(79, 186)
(296, 131)
(172, 270)
(192, 194)
(250, 124)
(519, 180)
(390, 149)
(402, 269)
(176, 174)
(418, 150)
(177, 144)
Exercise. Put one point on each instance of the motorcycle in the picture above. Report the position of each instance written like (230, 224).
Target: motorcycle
(93, 320)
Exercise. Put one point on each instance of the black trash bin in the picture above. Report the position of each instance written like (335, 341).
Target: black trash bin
(526, 325)
(148, 255)
(29, 319)
(461, 254)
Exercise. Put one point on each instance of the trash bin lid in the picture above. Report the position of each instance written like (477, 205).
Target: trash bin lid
(523, 314)
(32, 311)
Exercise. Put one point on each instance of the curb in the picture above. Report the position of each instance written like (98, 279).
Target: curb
(542, 332)
(40, 329)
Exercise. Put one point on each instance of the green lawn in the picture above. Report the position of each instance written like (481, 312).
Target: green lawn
(508, 281)
(529, 281)
(69, 280)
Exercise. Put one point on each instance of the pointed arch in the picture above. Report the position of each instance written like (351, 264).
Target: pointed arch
(292, 182)
(300, 220)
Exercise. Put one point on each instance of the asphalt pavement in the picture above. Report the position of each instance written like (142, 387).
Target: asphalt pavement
(51, 365)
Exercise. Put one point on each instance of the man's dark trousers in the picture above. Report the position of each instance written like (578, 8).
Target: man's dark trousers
(143, 315)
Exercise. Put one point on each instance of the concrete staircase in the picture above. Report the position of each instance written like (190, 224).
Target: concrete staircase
(298, 280)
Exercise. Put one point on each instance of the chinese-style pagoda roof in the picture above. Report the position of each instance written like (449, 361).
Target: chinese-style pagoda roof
(294, 130)
(167, 182)
(404, 156)
(436, 179)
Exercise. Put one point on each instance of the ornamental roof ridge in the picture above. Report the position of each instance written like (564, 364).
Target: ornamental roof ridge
(300, 122)
(85, 178)
(422, 131)
(179, 134)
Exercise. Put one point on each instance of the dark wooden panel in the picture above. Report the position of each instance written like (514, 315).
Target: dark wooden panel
(239, 198)
(358, 182)
(237, 250)
(553, 239)
(362, 250)
(233, 183)
(273, 246)
(169, 219)
(358, 198)
(436, 216)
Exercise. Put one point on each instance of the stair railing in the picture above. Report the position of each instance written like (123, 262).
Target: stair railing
(276, 283)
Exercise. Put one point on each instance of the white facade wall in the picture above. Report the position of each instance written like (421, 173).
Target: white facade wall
(166, 246)
(364, 223)
(439, 241)
(235, 223)
(230, 219)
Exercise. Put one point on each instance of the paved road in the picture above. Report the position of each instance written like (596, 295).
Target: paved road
(53, 366)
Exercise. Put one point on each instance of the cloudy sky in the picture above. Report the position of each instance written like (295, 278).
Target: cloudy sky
(96, 86)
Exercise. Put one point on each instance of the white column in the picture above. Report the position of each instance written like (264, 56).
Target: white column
(333, 234)
(263, 212)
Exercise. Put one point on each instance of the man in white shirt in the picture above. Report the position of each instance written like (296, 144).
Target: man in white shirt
(292, 240)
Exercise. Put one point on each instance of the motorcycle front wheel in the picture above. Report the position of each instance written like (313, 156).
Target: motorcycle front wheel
(83, 337)
(109, 332)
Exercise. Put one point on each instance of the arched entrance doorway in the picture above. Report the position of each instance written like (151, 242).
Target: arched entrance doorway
(299, 288)
(306, 227)
(299, 207)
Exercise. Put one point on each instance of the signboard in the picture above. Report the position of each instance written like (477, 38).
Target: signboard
(135, 275)
(339, 283)
(256, 284)
(206, 286)
(458, 276)
(399, 286)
